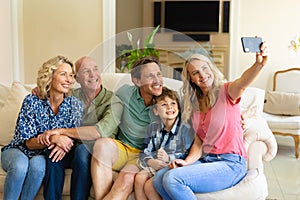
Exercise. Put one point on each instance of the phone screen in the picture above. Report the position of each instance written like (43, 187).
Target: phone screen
(251, 44)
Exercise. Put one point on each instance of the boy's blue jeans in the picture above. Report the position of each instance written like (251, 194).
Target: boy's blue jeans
(211, 173)
(78, 159)
(24, 176)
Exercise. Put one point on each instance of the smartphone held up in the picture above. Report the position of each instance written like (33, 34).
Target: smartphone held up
(251, 44)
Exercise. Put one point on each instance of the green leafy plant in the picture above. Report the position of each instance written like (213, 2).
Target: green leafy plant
(129, 56)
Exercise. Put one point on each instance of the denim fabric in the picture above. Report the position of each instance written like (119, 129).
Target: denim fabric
(211, 173)
(24, 175)
(78, 159)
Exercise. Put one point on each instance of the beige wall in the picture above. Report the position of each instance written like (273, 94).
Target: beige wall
(73, 28)
(129, 14)
(65, 27)
(276, 22)
(6, 73)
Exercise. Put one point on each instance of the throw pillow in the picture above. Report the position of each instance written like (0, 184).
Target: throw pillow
(250, 112)
(5, 89)
(252, 101)
(10, 112)
(282, 103)
(251, 104)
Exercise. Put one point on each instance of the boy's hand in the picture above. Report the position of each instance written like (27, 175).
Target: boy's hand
(162, 155)
(156, 164)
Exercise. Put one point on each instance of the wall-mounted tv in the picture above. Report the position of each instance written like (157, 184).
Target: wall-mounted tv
(189, 16)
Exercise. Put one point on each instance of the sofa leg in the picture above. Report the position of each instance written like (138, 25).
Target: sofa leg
(296, 140)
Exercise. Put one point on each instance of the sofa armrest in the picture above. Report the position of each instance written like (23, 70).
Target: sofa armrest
(260, 143)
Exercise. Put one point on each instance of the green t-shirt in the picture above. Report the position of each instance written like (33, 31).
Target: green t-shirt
(135, 118)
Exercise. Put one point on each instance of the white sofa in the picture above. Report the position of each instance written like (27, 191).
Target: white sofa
(259, 140)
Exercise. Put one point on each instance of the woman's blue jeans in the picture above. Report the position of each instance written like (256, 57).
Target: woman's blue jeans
(211, 173)
(24, 176)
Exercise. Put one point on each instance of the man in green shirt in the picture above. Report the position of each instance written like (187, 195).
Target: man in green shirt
(100, 119)
(121, 154)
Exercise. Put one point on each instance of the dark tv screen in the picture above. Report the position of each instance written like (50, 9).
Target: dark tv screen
(192, 16)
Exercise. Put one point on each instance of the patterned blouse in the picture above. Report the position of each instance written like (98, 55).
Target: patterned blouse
(36, 116)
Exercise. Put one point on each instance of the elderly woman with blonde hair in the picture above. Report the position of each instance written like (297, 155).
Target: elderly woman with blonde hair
(23, 158)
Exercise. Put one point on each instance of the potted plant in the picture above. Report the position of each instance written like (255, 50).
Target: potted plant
(131, 53)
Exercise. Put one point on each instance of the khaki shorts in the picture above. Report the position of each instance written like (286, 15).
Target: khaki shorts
(126, 155)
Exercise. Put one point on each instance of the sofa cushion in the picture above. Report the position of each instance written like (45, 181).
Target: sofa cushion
(10, 111)
(282, 121)
(282, 103)
(5, 89)
(252, 102)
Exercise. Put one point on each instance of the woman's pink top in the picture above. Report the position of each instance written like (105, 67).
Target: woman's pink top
(220, 129)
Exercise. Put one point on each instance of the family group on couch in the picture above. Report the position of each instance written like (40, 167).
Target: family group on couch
(95, 132)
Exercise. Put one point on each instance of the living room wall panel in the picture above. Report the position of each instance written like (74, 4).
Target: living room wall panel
(66, 27)
(6, 74)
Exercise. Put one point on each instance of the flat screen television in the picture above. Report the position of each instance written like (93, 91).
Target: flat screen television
(192, 16)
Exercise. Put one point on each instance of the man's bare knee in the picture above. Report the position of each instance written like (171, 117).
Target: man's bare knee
(126, 177)
(105, 149)
(101, 145)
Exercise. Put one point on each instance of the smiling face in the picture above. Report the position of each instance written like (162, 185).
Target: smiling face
(200, 74)
(167, 109)
(88, 74)
(150, 81)
(62, 79)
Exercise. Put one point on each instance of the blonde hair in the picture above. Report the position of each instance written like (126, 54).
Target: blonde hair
(192, 93)
(45, 74)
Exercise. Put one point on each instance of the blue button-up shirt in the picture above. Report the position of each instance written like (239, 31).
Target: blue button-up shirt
(176, 142)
